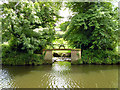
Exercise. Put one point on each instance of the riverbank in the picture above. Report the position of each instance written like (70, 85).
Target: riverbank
(13, 58)
(37, 60)
(59, 61)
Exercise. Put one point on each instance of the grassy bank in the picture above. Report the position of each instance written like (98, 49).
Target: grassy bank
(18, 58)
(12, 57)
(99, 57)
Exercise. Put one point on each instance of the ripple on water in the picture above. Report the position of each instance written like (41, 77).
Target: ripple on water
(5, 79)
(59, 75)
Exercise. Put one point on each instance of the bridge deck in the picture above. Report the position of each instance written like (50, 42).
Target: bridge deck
(59, 49)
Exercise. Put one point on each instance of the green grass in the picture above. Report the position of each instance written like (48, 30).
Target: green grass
(61, 63)
(62, 51)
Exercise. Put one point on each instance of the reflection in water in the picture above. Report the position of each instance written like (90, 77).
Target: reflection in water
(5, 79)
(59, 75)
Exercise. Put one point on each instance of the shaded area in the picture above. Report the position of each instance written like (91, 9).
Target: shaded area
(61, 55)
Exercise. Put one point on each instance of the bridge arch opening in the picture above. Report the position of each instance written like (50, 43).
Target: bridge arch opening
(75, 55)
(61, 55)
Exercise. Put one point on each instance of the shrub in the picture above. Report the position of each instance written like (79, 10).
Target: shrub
(10, 57)
(100, 57)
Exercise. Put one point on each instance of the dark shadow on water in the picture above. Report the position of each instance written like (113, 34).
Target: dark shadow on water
(22, 70)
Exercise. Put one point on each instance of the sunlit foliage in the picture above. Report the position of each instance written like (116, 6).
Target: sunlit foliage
(93, 27)
(29, 26)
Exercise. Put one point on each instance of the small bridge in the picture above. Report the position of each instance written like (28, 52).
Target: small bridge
(75, 55)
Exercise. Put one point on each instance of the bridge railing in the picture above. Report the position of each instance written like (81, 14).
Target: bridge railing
(58, 46)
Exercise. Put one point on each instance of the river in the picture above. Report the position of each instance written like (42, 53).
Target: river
(59, 75)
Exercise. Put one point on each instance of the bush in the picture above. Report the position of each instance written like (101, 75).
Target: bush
(100, 57)
(10, 57)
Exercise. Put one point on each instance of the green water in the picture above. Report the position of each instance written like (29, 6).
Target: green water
(59, 75)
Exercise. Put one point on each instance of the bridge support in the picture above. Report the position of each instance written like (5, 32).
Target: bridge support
(48, 57)
(75, 56)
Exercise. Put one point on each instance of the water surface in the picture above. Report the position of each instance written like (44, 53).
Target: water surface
(59, 75)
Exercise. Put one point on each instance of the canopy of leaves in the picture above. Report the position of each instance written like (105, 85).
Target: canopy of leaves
(29, 26)
(63, 26)
(93, 25)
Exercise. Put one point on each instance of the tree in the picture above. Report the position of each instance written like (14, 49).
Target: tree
(93, 26)
(29, 26)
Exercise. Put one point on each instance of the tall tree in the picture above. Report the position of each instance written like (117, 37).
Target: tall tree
(29, 25)
(93, 25)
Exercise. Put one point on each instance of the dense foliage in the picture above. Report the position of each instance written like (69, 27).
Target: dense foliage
(10, 57)
(93, 28)
(28, 26)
